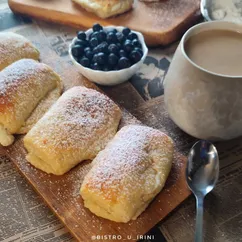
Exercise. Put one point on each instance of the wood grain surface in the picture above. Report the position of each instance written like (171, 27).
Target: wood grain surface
(61, 193)
(161, 22)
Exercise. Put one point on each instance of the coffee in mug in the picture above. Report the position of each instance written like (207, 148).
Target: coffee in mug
(218, 51)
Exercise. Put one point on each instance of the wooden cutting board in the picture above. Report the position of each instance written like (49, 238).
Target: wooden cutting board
(61, 193)
(161, 22)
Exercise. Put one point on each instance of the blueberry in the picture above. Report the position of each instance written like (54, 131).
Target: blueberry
(82, 42)
(128, 46)
(94, 35)
(126, 31)
(112, 48)
(87, 49)
(95, 66)
(132, 36)
(101, 58)
(136, 43)
(135, 56)
(112, 31)
(105, 68)
(94, 59)
(77, 50)
(90, 36)
(111, 68)
(112, 59)
(122, 53)
(84, 62)
(95, 50)
(81, 35)
(120, 37)
(139, 50)
(78, 42)
(103, 47)
(101, 36)
(123, 63)
(111, 38)
(127, 41)
(94, 42)
(119, 46)
(97, 27)
(89, 55)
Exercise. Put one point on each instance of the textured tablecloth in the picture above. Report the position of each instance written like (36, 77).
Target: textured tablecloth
(23, 215)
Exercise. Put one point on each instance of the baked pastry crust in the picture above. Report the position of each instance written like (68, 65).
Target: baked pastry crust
(23, 85)
(128, 173)
(76, 128)
(14, 47)
(149, 1)
(42, 107)
(107, 8)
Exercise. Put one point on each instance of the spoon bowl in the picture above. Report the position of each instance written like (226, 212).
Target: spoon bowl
(202, 173)
(202, 167)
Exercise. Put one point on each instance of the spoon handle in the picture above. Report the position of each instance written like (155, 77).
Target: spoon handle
(199, 219)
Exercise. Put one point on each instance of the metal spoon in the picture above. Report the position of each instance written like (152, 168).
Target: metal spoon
(202, 174)
(205, 7)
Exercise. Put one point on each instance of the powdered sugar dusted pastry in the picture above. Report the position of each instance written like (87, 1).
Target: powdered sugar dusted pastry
(23, 85)
(42, 107)
(128, 173)
(107, 8)
(76, 128)
(14, 47)
(149, 1)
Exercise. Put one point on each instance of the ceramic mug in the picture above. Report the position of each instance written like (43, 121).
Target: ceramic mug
(204, 104)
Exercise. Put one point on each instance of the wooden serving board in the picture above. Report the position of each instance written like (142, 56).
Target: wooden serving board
(61, 193)
(161, 22)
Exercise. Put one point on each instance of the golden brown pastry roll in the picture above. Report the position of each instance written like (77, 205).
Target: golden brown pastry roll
(149, 1)
(75, 128)
(42, 107)
(14, 47)
(22, 85)
(107, 8)
(128, 173)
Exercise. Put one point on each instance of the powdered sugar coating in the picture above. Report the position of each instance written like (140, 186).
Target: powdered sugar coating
(76, 128)
(22, 85)
(43, 106)
(14, 47)
(107, 8)
(128, 173)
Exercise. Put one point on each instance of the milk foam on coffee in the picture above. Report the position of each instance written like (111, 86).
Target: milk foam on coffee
(218, 51)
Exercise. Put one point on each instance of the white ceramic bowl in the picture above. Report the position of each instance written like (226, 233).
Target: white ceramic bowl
(110, 78)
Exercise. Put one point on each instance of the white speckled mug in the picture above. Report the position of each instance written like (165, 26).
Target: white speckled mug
(204, 104)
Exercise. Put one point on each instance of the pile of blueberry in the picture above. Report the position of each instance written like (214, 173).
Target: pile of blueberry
(107, 50)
